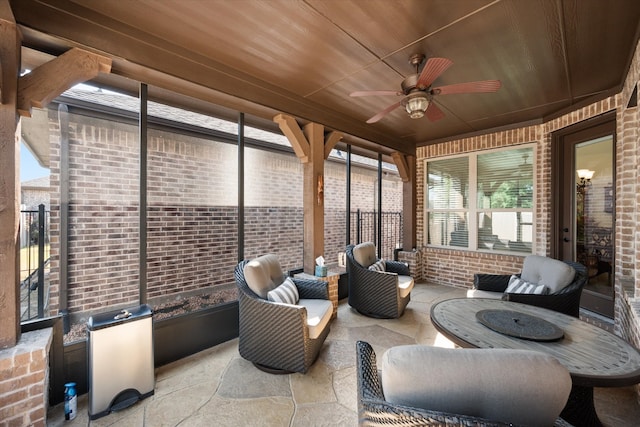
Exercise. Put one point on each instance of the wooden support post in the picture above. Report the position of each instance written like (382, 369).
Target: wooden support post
(312, 149)
(313, 197)
(407, 169)
(9, 179)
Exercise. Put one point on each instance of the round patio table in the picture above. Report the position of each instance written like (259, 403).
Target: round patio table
(593, 356)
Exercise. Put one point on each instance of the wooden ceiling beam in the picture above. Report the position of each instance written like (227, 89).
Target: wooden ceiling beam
(49, 80)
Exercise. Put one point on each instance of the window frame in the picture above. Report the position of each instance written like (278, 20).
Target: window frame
(472, 211)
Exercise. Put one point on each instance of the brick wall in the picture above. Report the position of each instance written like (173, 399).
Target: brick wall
(627, 226)
(192, 217)
(24, 380)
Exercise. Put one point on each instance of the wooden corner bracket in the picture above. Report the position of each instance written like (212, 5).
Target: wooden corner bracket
(49, 80)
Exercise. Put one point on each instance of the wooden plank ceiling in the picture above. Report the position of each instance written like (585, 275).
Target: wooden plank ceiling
(304, 57)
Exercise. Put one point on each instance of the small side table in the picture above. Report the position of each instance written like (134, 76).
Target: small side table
(332, 279)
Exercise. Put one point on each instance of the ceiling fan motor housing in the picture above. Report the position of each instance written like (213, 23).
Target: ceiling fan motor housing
(409, 83)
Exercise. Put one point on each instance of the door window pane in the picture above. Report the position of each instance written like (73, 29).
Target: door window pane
(594, 212)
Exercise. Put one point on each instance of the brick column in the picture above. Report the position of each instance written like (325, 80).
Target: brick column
(24, 380)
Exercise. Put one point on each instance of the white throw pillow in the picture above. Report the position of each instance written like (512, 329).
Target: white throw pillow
(286, 293)
(520, 286)
(550, 272)
(378, 266)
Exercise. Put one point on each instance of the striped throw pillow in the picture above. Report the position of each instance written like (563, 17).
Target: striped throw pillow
(378, 266)
(520, 286)
(286, 293)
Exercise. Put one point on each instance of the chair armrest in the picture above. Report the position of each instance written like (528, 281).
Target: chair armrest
(397, 267)
(491, 282)
(312, 289)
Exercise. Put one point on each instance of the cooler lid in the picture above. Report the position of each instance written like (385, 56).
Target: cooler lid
(116, 317)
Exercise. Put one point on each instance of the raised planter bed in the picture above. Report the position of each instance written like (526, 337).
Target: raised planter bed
(173, 338)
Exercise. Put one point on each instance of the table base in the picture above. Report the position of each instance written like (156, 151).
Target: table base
(580, 410)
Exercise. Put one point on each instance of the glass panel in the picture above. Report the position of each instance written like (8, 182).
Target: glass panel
(594, 212)
(103, 239)
(505, 231)
(364, 196)
(192, 216)
(505, 179)
(335, 205)
(448, 228)
(273, 207)
(391, 211)
(448, 186)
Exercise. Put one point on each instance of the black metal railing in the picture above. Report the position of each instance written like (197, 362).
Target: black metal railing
(364, 228)
(34, 263)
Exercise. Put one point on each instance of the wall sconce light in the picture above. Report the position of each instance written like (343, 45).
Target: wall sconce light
(584, 177)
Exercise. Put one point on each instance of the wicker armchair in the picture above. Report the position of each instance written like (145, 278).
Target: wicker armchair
(381, 294)
(565, 300)
(275, 336)
(374, 410)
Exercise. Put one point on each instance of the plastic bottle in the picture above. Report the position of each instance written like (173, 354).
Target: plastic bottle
(70, 401)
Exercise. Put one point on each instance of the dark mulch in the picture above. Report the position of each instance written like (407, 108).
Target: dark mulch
(78, 331)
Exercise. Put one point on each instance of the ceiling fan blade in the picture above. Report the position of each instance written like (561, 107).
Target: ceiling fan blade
(483, 86)
(432, 70)
(375, 92)
(383, 113)
(434, 113)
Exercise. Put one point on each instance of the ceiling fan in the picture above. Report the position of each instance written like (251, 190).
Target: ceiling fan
(417, 91)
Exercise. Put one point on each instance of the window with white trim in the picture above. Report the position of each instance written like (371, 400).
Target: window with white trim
(481, 201)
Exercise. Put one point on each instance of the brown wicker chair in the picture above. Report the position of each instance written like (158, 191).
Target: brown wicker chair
(275, 336)
(566, 300)
(374, 293)
(374, 410)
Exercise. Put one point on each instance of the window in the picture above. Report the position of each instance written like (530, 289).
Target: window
(481, 201)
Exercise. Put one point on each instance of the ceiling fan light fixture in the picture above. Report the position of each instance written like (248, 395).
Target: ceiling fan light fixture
(416, 105)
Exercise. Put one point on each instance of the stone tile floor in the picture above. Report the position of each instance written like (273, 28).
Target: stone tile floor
(218, 387)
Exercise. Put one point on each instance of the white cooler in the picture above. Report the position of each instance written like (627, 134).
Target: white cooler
(120, 359)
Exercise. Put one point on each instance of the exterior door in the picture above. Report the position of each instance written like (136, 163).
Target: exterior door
(584, 177)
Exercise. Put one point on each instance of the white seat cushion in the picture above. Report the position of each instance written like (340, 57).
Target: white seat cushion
(477, 293)
(514, 386)
(319, 313)
(405, 285)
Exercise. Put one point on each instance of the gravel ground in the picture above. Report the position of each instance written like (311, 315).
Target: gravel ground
(78, 331)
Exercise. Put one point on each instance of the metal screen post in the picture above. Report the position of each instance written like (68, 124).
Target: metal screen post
(41, 261)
